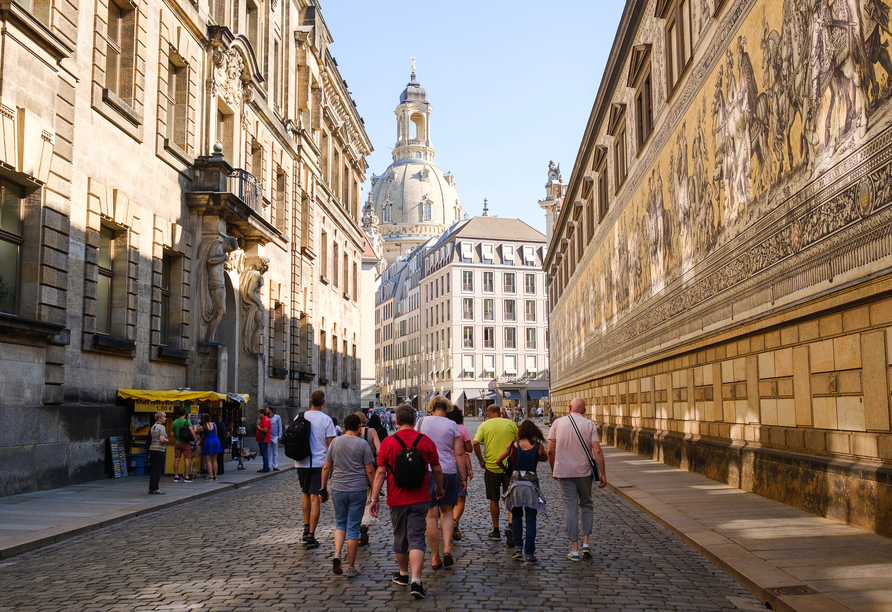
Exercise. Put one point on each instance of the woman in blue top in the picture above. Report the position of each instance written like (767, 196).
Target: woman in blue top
(524, 497)
(210, 446)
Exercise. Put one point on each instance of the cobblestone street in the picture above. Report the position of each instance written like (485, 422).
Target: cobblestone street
(240, 550)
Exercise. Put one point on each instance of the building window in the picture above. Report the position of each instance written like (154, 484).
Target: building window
(226, 133)
(335, 258)
(345, 363)
(467, 309)
(40, 9)
(489, 337)
(426, 211)
(11, 242)
(488, 282)
(252, 15)
(530, 311)
(387, 213)
(346, 273)
(489, 310)
(510, 338)
(355, 281)
(120, 36)
(106, 279)
(355, 364)
(334, 359)
(166, 263)
(644, 112)
(679, 48)
(467, 336)
(217, 9)
(280, 334)
(510, 313)
(467, 366)
(508, 254)
(325, 153)
(531, 337)
(323, 248)
(281, 194)
(532, 370)
(510, 362)
(487, 251)
(529, 284)
(467, 280)
(619, 155)
(489, 366)
(529, 256)
(467, 252)
(508, 285)
(175, 97)
(603, 197)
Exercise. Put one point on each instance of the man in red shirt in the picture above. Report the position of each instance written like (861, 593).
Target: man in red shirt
(408, 507)
(263, 427)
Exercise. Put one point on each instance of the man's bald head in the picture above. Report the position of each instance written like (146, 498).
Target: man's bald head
(577, 405)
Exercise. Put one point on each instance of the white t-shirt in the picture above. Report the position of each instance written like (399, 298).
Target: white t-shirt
(571, 460)
(321, 427)
(443, 433)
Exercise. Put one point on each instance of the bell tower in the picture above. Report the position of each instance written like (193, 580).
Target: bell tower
(413, 137)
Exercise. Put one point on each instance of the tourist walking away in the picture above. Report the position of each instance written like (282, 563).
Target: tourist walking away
(210, 446)
(495, 434)
(309, 469)
(350, 469)
(573, 449)
(371, 437)
(404, 461)
(456, 416)
(157, 452)
(263, 427)
(374, 422)
(275, 434)
(184, 436)
(447, 438)
(525, 498)
(225, 441)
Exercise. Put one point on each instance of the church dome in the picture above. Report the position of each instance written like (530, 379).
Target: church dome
(413, 92)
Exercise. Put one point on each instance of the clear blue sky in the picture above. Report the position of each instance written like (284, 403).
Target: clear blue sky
(511, 84)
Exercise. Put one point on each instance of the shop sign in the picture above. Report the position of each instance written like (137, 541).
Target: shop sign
(513, 380)
(158, 406)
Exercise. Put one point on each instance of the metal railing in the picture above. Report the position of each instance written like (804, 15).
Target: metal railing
(247, 187)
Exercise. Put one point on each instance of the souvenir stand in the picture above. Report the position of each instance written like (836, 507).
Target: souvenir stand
(145, 403)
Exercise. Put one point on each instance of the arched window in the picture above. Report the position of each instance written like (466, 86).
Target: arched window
(418, 155)
(387, 213)
(426, 211)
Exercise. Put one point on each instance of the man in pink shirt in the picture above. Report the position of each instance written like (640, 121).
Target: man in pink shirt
(570, 466)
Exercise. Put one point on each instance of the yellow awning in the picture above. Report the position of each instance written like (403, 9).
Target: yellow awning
(174, 395)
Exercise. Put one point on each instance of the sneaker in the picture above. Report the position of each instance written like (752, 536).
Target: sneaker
(417, 591)
(312, 542)
(532, 560)
(573, 556)
(187, 479)
(158, 492)
(518, 555)
(363, 535)
(176, 478)
(495, 535)
(352, 572)
(336, 565)
(509, 538)
(586, 552)
(399, 579)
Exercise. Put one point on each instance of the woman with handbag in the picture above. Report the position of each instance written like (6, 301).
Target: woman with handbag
(524, 497)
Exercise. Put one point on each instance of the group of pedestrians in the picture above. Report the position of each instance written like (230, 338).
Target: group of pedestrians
(426, 466)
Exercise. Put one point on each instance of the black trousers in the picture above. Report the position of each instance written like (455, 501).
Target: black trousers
(156, 463)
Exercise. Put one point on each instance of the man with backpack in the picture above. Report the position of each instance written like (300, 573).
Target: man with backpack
(403, 461)
(309, 467)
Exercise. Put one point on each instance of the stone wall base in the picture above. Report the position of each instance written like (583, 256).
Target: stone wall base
(847, 491)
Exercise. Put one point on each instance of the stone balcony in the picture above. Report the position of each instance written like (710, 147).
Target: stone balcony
(233, 194)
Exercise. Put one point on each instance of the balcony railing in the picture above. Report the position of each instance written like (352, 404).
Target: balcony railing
(246, 187)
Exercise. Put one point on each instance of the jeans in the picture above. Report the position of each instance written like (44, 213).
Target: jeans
(274, 451)
(577, 493)
(529, 548)
(264, 452)
(349, 507)
(156, 463)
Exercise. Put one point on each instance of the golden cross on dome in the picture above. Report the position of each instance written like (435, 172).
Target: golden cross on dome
(413, 63)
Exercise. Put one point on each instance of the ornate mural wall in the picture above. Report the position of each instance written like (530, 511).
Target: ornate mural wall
(767, 180)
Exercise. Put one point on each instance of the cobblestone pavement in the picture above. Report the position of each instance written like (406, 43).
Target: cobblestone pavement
(241, 551)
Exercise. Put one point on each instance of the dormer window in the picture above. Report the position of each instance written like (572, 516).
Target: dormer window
(599, 165)
(640, 79)
(617, 128)
(679, 45)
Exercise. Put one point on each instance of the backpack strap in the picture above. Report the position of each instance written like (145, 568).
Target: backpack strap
(417, 440)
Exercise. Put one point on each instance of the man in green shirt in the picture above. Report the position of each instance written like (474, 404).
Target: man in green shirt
(182, 448)
(495, 434)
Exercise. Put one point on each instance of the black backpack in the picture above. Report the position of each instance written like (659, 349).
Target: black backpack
(409, 467)
(297, 439)
(186, 433)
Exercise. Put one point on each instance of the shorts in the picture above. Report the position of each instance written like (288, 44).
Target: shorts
(310, 480)
(496, 484)
(450, 486)
(182, 449)
(409, 526)
(349, 507)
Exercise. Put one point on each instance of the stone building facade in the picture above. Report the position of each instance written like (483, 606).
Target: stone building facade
(719, 274)
(181, 208)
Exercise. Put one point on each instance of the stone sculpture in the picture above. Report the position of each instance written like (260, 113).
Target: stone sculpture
(213, 255)
(252, 305)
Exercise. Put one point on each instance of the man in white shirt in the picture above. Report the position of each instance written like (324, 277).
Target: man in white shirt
(445, 435)
(570, 466)
(309, 470)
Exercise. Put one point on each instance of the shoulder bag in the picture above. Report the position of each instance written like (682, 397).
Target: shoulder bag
(588, 450)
